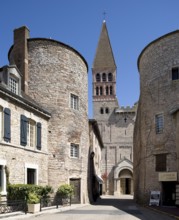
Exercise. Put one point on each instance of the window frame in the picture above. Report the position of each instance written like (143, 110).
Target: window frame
(98, 77)
(175, 75)
(110, 77)
(31, 133)
(33, 167)
(3, 178)
(161, 162)
(159, 123)
(74, 101)
(13, 84)
(74, 150)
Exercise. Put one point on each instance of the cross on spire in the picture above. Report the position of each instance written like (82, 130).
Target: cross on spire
(104, 16)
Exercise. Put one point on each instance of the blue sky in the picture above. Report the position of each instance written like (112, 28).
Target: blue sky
(132, 24)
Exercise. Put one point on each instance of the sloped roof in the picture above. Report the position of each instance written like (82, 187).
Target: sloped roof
(104, 54)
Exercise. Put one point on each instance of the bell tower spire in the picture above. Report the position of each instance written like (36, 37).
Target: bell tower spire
(104, 71)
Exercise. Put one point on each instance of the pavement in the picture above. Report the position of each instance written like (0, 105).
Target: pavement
(172, 211)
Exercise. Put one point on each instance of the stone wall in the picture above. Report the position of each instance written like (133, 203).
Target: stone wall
(18, 157)
(55, 72)
(158, 94)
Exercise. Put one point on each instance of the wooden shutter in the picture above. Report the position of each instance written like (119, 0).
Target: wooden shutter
(23, 137)
(39, 135)
(7, 124)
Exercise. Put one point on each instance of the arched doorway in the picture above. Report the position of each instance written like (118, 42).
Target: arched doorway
(125, 180)
(123, 177)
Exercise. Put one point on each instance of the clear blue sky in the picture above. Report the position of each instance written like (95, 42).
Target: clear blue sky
(132, 24)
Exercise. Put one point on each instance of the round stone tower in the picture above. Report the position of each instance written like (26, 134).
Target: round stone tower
(155, 146)
(56, 78)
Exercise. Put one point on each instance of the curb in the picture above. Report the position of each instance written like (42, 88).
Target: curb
(22, 215)
(163, 212)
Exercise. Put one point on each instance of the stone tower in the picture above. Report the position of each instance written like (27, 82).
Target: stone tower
(57, 79)
(115, 123)
(156, 145)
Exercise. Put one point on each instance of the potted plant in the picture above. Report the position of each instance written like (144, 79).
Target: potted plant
(33, 203)
(65, 192)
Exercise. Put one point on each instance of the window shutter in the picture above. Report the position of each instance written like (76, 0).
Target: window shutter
(7, 124)
(23, 137)
(39, 126)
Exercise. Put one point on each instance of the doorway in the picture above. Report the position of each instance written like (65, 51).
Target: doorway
(75, 199)
(168, 193)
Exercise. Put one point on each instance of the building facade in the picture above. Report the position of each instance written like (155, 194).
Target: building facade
(156, 153)
(115, 123)
(23, 134)
(95, 160)
(55, 76)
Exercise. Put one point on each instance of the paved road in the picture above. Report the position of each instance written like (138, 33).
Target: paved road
(106, 208)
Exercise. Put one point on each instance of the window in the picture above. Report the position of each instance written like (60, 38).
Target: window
(110, 77)
(97, 91)
(107, 110)
(1, 123)
(104, 77)
(74, 150)
(159, 123)
(31, 174)
(101, 110)
(30, 134)
(111, 90)
(175, 73)
(98, 77)
(161, 160)
(107, 90)
(13, 85)
(101, 90)
(74, 102)
(2, 177)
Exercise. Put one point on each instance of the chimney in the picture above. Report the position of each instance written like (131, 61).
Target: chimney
(20, 54)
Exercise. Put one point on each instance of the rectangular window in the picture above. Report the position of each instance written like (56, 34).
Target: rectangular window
(13, 85)
(1, 123)
(31, 176)
(1, 177)
(175, 73)
(161, 162)
(74, 150)
(74, 102)
(31, 139)
(159, 123)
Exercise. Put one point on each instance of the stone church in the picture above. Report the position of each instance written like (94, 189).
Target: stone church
(116, 123)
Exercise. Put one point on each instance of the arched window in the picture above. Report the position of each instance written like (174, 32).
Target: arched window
(107, 90)
(104, 77)
(110, 77)
(102, 111)
(107, 110)
(98, 77)
(101, 90)
(111, 90)
(97, 91)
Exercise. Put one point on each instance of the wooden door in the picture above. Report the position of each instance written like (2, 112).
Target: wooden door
(76, 196)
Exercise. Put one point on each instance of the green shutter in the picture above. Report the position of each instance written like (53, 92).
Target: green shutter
(23, 135)
(39, 136)
(7, 124)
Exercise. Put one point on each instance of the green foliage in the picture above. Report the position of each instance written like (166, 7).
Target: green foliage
(33, 198)
(65, 190)
(22, 191)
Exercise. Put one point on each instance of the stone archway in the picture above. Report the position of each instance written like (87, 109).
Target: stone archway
(125, 182)
(123, 178)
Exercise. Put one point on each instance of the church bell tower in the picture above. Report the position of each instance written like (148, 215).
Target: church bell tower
(104, 77)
